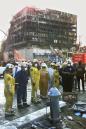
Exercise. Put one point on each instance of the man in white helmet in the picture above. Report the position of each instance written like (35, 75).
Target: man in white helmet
(9, 90)
(35, 77)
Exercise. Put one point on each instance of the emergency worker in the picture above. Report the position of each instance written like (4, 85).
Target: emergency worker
(28, 68)
(44, 78)
(35, 76)
(56, 76)
(9, 90)
(67, 73)
(51, 75)
(22, 81)
(15, 70)
(80, 70)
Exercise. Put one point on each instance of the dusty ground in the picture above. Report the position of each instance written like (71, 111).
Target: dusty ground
(77, 122)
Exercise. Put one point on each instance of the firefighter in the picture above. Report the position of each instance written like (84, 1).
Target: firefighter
(35, 76)
(22, 81)
(9, 90)
(56, 76)
(44, 78)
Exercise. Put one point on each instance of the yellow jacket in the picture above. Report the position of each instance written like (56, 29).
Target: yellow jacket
(56, 78)
(9, 82)
(35, 76)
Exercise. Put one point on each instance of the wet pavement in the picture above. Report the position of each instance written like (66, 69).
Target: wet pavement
(27, 114)
(76, 122)
(18, 113)
(42, 123)
(23, 116)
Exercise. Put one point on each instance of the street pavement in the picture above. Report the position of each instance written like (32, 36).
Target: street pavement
(25, 115)
(19, 113)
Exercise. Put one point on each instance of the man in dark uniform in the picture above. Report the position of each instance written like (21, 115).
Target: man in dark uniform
(67, 74)
(22, 81)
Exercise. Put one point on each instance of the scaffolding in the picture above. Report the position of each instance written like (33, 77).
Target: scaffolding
(43, 28)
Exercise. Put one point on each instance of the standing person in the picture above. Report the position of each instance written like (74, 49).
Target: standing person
(80, 70)
(43, 84)
(15, 69)
(75, 78)
(28, 68)
(56, 77)
(67, 73)
(9, 90)
(22, 81)
(35, 76)
(51, 75)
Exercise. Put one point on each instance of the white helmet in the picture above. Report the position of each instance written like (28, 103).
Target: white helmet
(30, 64)
(10, 66)
(43, 65)
(35, 60)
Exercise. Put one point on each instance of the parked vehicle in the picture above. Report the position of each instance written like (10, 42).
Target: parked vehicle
(2, 69)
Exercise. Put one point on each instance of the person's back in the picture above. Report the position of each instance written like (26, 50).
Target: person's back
(50, 71)
(44, 78)
(21, 77)
(22, 80)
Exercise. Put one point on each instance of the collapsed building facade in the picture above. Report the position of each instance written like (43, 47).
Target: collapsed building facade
(42, 28)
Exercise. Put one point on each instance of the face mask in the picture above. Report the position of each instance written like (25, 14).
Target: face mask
(35, 65)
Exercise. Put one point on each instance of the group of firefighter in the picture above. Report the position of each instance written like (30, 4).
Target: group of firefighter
(43, 77)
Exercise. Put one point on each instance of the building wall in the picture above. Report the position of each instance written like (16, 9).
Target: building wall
(43, 28)
(32, 53)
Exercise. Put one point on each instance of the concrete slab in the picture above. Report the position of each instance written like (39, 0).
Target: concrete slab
(19, 122)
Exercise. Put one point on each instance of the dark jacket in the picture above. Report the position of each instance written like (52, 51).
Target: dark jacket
(80, 70)
(21, 77)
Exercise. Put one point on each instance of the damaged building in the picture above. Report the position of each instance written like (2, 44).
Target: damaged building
(32, 27)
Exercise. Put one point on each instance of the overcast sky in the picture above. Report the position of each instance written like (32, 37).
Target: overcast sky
(8, 8)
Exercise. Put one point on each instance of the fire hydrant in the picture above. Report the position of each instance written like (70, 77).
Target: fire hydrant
(54, 94)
